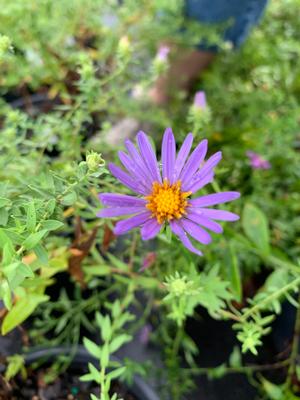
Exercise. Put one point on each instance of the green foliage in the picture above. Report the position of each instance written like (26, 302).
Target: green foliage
(187, 292)
(16, 364)
(113, 335)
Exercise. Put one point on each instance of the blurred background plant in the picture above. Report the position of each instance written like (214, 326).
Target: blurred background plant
(69, 71)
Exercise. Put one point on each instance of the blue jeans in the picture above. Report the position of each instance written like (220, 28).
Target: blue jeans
(243, 13)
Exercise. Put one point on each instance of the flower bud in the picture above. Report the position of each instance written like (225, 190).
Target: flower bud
(94, 161)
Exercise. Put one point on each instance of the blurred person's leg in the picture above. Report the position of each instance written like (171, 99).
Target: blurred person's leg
(187, 66)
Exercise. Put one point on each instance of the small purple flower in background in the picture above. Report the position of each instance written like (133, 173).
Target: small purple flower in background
(200, 100)
(163, 53)
(148, 261)
(163, 196)
(257, 161)
(145, 333)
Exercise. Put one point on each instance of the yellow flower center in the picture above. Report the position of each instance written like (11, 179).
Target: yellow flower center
(167, 201)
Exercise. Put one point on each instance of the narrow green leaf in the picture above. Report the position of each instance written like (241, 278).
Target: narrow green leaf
(94, 372)
(116, 373)
(8, 254)
(3, 216)
(117, 263)
(51, 224)
(93, 397)
(235, 359)
(86, 378)
(41, 254)
(104, 355)
(92, 347)
(235, 274)
(31, 217)
(99, 270)
(5, 293)
(119, 341)
(4, 239)
(33, 239)
(106, 329)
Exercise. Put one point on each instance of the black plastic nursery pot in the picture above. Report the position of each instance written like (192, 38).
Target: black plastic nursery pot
(139, 390)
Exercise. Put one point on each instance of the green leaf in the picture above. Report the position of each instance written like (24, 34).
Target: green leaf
(116, 373)
(147, 282)
(117, 342)
(4, 202)
(31, 217)
(86, 378)
(93, 397)
(217, 372)
(106, 329)
(94, 372)
(4, 239)
(213, 293)
(8, 254)
(3, 216)
(21, 311)
(16, 273)
(92, 347)
(41, 254)
(104, 355)
(69, 199)
(255, 225)
(52, 225)
(275, 392)
(33, 239)
(117, 263)
(16, 363)
(231, 271)
(99, 270)
(5, 293)
(25, 270)
(235, 359)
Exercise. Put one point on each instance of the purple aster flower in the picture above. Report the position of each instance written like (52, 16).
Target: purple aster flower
(257, 161)
(163, 196)
(200, 100)
(162, 53)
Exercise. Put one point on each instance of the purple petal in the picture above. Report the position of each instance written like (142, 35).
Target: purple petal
(213, 199)
(136, 157)
(149, 156)
(194, 162)
(118, 211)
(177, 229)
(220, 215)
(168, 155)
(150, 229)
(200, 183)
(130, 223)
(121, 200)
(204, 221)
(195, 231)
(196, 182)
(134, 170)
(182, 155)
(126, 179)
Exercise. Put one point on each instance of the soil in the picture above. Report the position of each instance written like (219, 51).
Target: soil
(65, 387)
